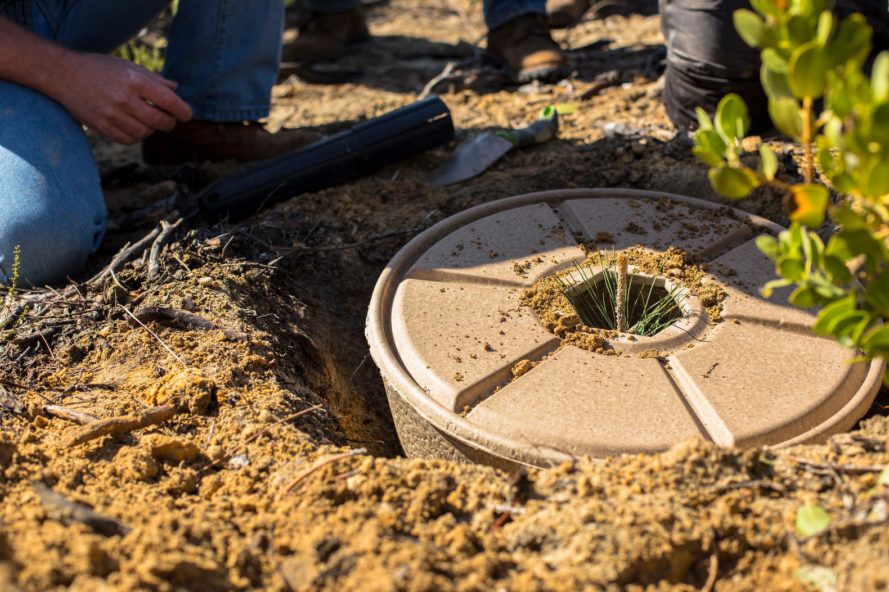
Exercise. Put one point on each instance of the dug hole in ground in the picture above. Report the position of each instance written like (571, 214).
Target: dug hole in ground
(239, 488)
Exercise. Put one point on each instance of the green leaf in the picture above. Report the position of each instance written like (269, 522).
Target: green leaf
(732, 183)
(812, 520)
(766, 7)
(709, 147)
(774, 61)
(768, 162)
(800, 30)
(849, 243)
(791, 268)
(880, 77)
(876, 340)
(825, 28)
(810, 204)
(732, 118)
(848, 218)
(769, 288)
(836, 270)
(767, 245)
(851, 42)
(806, 71)
(803, 297)
(883, 479)
(774, 82)
(876, 181)
(704, 121)
(831, 314)
(785, 114)
(878, 293)
(750, 27)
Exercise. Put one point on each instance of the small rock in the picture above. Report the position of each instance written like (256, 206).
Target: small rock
(186, 389)
(522, 367)
(172, 448)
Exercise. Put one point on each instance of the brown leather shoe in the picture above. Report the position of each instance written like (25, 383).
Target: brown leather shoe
(561, 14)
(526, 48)
(326, 35)
(200, 141)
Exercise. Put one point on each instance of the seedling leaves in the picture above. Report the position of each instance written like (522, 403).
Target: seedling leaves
(806, 71)
(768, 163)
(749, 26)
(785, 114)
(811, 204)
(731, 182)
(732, 118)
(880, 77)
(812, 520)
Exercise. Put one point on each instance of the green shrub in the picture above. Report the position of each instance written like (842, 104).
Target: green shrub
(808, 57)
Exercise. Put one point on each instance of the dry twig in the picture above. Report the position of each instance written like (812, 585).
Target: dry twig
(182, 319)
(122, 424)
(125, 254)
(321, 464)
(712, 575)
(167, 229)
(430, 86)
(69, 414)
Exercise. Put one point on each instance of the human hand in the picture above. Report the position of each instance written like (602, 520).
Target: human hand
(117, 98)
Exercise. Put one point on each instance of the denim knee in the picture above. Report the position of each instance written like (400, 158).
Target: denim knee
(51, 203)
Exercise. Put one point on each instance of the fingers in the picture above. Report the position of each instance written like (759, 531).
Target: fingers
(163, 97)
(132, 127)
(118, 135)
(151, 116)
(165, 81)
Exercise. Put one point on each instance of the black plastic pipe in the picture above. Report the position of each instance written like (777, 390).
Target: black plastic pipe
(352, 153)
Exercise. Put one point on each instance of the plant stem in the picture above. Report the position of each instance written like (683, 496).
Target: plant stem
(621, 304)
(807, 139)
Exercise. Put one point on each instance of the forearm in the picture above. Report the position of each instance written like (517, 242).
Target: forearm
(30, 60)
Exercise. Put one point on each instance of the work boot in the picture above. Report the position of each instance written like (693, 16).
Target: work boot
(326, 35)
(200, 141)
(561, 14)
(526, 48)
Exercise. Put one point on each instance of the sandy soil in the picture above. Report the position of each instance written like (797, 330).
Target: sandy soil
(234, 493)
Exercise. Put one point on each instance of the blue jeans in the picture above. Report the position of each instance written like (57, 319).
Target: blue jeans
(223, 53)
(497, 12)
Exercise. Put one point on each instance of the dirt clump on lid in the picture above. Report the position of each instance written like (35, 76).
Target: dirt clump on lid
(281, 469)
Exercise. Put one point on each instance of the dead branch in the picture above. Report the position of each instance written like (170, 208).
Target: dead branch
(63, 510)
(430, 86)
(319, 465)
(601, 82)
(243, 447)
(182, 319)
(712, 574)
(167, 230)
(125, 254)
(122, 424)
(69, 414)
